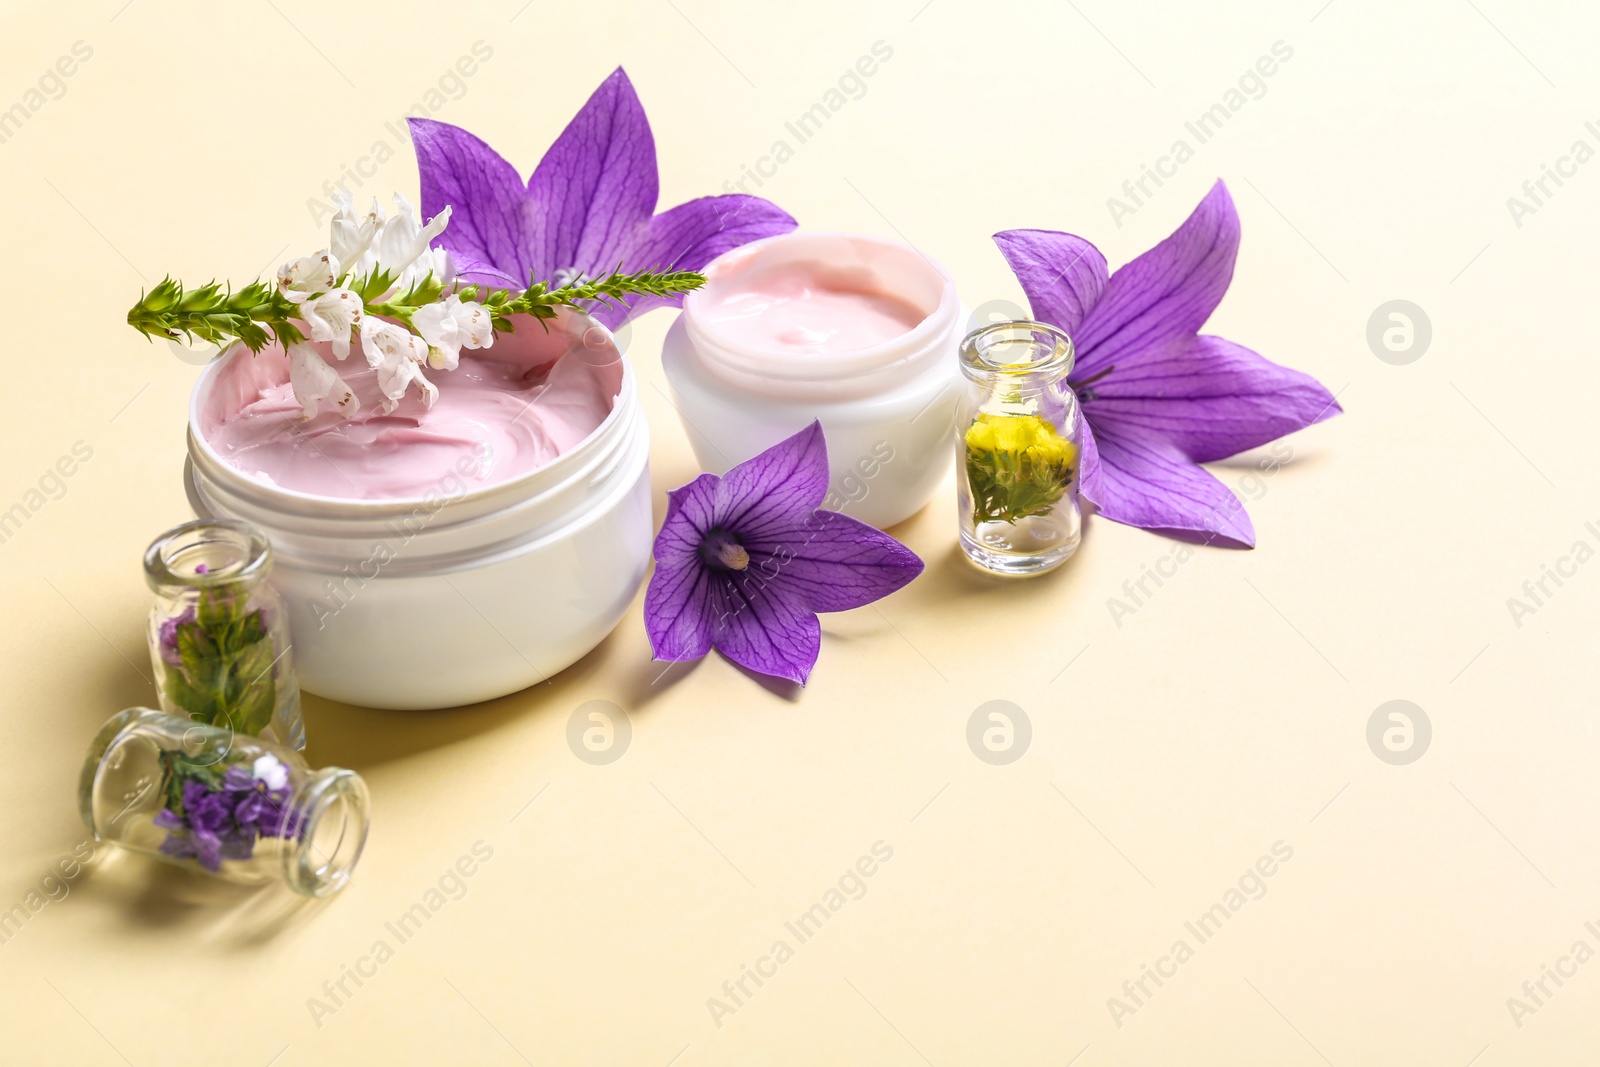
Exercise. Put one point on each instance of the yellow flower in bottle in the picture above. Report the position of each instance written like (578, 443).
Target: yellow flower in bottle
(1018, 466)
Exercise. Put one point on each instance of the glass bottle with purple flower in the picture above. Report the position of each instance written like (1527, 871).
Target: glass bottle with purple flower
(1018, 449)
(218, 801)
(219, 635)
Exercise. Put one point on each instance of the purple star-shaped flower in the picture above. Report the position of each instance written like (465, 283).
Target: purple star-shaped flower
(588, 209)
(744, 562)
(1158, 398)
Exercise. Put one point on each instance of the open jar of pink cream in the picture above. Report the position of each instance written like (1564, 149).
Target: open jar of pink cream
(855, 331)
(437, 556)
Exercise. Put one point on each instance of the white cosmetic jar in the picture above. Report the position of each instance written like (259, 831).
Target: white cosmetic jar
(457, 596)
(886, 410)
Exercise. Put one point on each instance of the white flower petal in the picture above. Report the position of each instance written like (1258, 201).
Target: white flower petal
(476, 323)
(400, 247)
(352, 234)
(397, 355)
(450, 325)
(331, 317)
(314, 381)
(270, 771)
(308, 275)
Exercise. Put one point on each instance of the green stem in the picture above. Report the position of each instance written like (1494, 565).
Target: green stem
(259, 314)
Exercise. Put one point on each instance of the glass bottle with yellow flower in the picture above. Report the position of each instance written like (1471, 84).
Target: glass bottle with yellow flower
(1018, 449)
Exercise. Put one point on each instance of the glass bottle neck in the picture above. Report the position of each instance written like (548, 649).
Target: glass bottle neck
(207, 554)
(329, 814)
(1020, 356)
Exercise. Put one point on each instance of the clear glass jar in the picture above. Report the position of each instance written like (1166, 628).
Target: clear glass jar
(1017, 449)
(221, 802)
(219, 634)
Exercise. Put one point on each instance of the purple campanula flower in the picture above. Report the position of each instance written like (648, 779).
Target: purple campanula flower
(745, 561)
(588, 209)
(1159, 398)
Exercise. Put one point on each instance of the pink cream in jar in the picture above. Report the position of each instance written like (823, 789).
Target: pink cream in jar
(504, 411)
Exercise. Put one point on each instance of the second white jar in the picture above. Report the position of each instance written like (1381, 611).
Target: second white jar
(886, 409)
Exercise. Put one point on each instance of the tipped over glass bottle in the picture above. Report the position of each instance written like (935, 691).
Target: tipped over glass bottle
(1018, 449)
(221, 802)
(219, 634)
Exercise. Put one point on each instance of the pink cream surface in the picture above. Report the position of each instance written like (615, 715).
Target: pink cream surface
(806, 306)
(505, 411)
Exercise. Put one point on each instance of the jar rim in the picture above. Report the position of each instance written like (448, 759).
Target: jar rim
(1054, 360)
(164, 570)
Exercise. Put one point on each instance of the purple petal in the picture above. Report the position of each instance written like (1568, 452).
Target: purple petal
(1210, 397)
(210, 812)
(1063, 275)
(678, 605)
(177, 847)
(593, 192)
(691, 513)
(761, 625)
(1167, 293)
(490, 216)
(251, 807)
(169, 635)
(834, 562)
(1154, 486)
(207, 849)
(693, 234)
(238, 777)
(769, 494)
(239, 847)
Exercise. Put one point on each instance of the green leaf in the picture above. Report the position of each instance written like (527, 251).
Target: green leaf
(212, 610)
(199, 704)
(227, 655)
(178, 767)
(255, 690)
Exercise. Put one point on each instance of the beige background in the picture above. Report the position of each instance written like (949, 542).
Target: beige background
(1168, 753)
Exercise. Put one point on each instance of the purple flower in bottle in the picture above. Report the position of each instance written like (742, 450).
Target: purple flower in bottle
(207, 849)
(223, 821)
(168, 641)
(238, 778)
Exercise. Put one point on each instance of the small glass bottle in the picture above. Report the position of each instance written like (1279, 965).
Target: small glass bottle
(221, 802)
(219, 634)
(1018, 449)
